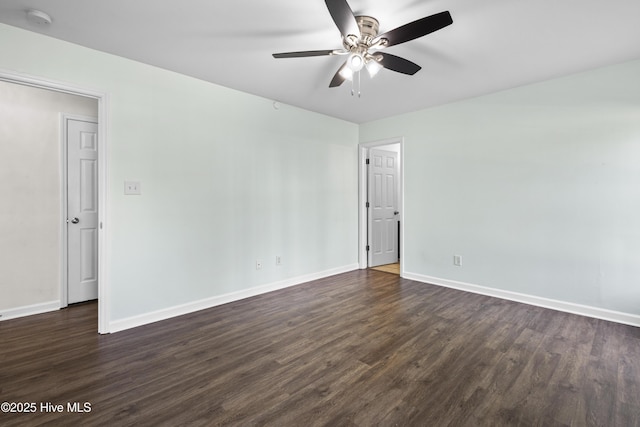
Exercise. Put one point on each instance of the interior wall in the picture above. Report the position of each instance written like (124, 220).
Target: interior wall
(535, 187)
(226, 180)
(30, 176)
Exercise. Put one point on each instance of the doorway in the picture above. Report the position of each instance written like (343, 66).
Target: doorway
(51, 87)
(381, 224)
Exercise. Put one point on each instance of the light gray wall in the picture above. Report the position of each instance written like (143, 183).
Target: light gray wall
(226, 180)
(30, 191)
(536, 187)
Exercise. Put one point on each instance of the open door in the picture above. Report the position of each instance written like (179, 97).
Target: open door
(82, 210)
(383, 209)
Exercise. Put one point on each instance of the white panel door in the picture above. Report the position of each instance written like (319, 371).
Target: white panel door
(82, 211)
(383, 211)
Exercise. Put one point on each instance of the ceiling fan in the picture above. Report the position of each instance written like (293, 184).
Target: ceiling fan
(362, 43)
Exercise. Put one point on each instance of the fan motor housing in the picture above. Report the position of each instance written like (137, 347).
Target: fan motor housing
(368, 27)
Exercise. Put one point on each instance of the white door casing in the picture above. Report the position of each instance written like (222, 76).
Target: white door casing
(82, 210)
(383, 210)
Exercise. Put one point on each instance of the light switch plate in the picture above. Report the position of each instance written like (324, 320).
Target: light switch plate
(132, 188)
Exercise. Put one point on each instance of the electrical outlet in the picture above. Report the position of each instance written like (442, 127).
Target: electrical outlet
(278, 260)
(132, 188)
(258, 264)
(457, 260)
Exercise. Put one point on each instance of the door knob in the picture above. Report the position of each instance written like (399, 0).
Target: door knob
(396, 212)
(75, 220)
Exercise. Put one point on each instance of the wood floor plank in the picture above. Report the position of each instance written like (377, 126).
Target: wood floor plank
(358, 349)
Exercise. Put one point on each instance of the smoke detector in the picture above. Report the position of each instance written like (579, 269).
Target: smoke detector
(38, 17)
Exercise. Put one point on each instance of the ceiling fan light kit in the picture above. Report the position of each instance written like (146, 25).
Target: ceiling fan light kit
(362, 43)
(356, 61)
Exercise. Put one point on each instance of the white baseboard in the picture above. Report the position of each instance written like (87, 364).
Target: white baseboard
(28, 310)
(568, 307)
(179, 310)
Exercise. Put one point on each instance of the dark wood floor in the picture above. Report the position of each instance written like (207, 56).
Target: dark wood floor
(359, 349)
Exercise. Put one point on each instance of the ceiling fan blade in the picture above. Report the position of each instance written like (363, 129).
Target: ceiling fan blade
(343, 17)
(338, 79)
(416, 29)
(395, 63)
(304, 54)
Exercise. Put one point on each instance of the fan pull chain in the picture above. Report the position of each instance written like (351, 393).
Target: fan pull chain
(353, 80)
(353, 84)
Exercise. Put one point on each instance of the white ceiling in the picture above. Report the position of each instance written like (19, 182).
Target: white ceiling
(491, 45)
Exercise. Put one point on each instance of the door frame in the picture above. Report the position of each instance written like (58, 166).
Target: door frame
(363, 219)
(64, 181)
(102, 99)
